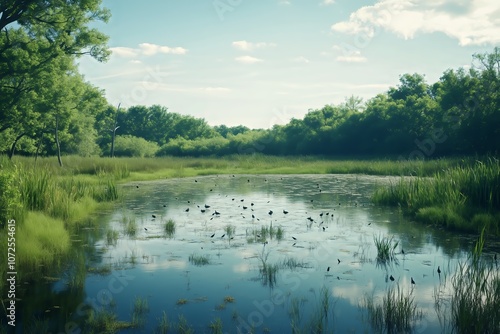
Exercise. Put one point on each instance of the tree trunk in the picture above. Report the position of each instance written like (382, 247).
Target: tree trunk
(13, 147)
(38, 147)
(114, 132)
(57, 142)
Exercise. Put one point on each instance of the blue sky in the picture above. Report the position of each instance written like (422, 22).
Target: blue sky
(262, 62)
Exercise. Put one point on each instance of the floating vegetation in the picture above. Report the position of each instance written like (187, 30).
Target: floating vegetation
(385, 248)
(170, 228)
(199, 260)
(105, 321)
(103, 270)
(398, 312)
(130, 226)
(230, 231)
(229, 299)
(181, 301)
(183, 327)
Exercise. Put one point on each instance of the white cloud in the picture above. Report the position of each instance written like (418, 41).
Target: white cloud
(124, 52)
(327, 2)
(301, 59)
(146, 49)
(248, 46)
(149, 49)
(353, 57)
(474, 22)
(247, 60)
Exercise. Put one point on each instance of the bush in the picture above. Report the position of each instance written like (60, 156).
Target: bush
(130, 146)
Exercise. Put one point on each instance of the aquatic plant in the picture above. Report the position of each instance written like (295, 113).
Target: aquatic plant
(199, 260)
(112, 237)
(398, 312)
(170, 228)
(385, 248)
(216, 326)
(141, 308)
(104, 321)
(230, 230)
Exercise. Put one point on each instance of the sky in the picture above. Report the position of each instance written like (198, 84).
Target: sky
(262, 62)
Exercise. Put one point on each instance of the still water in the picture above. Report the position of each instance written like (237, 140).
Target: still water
(328, 226)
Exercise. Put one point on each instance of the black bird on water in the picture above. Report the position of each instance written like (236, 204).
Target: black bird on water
(439, 271)
(285, 212)
(223, 236)
(310, 219)
(145, 229)
(217, 212)
(270, 212)
(328, 269)
(213, 235)
(187, 210)
(251, 204)
(207, 206)
(245, 207)
(402, 251)
(137, 186)
(154, 216)
(324, 229)
(253, 216)
(294, 238)
(202, 210)
(412, 281)
(391, 278)
(338, 261)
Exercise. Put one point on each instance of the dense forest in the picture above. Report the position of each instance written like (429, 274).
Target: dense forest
(47, 107)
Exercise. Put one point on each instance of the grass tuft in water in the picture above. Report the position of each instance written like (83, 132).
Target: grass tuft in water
(164, 325)
(292, 263)
(183, 327)
(216, 326)
(267, 271)
(141, 308)
(386, 248)
(181, 301)
(130, 226)
(475, 300)
(199, 260)
(112, 237)
(170, 228)
(397, 313)
(105, 321)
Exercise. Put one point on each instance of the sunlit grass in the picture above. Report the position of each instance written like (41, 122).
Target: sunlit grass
(105, 321)
(465, 197)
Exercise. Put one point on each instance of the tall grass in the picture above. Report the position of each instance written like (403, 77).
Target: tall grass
(141, 308)
(398, 312)
(386, 248)
(320, 319)
(170, 228)
(475, 300)
(466, 197)
(199, 260)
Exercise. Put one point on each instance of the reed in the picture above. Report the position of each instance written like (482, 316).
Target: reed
(170, 228)
(386, 248)
(164, 325)
(216, 326)
(398, 312)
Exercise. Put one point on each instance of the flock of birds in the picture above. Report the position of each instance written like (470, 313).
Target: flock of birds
(324, 217)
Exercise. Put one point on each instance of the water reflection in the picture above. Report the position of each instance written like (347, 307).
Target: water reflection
(328, 222)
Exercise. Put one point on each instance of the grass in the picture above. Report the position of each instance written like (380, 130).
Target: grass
(216, 326)
(398, 312)
(386, 248)
(268, 272)
(230, 231)
(112, 237)
(464, 197)
(319, 320)
(181, 301)
(292, 263)
(170, 228)
(199, 260)
(130, 226)
(105, 321)
(475, 300)
(164, 325)
(141, 308)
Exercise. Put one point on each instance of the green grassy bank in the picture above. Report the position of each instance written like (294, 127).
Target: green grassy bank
(464, 197)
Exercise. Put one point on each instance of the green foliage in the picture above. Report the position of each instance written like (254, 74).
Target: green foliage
(10, 196)
(199, 260)
(130, 146)
(386, 248)
(170, 228)
(466, 197)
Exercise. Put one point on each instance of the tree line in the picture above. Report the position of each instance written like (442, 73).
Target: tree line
(47, 108)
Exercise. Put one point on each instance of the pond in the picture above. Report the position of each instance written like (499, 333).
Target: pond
(261, 253)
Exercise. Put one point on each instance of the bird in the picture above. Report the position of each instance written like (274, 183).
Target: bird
(324, 229)
(328, 269)
(242, 200)
(294, 238)
(195, 180)
(285, 212)
(145, 229)
(245, 207)
(439, 271)
(154, 216)
(338, 261)
(248, 180)
(207, 206)
(213, 235)
(402, 251)
(391, 278)
(321, 214)
(412, 281)
(202, 210)
(217, 212)
(137, 186)
(251, 204)
(310, 219)
(223, 236)
(253, 216)
(270, 212)
(187, 210)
